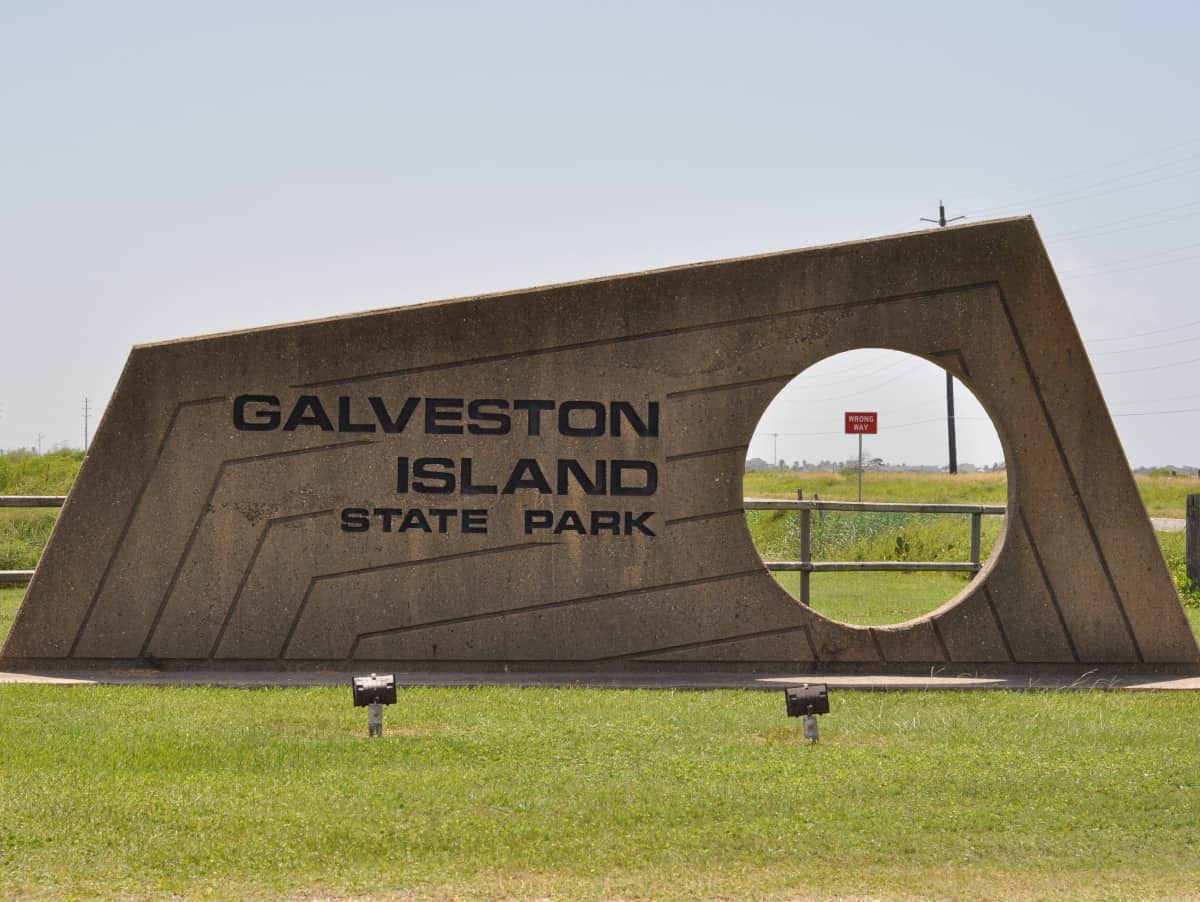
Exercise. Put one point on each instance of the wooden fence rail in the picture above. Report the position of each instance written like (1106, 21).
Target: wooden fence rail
(15, 578)
(807, 566)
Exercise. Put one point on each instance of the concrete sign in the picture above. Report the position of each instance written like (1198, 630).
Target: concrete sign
(552, 479)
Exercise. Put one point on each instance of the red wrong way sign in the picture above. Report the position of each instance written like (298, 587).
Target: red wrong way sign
(862, 422)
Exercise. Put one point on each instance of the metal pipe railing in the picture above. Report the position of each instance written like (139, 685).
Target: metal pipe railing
(806, 566)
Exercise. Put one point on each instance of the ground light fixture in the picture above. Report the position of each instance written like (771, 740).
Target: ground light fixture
(373, 692)
(808, 701)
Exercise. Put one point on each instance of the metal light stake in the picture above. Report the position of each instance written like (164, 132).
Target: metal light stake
(373, 692)
(808, 701)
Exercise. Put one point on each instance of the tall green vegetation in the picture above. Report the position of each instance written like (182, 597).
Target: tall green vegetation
(27, 473)
(24, 531)
(1163, 495)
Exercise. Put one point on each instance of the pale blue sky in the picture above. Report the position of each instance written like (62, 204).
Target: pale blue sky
(171, 169)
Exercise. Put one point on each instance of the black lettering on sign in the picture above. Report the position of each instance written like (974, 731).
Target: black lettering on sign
(441, 514)
(385, 515)
(527, 474)
(468, 486)
(534, 409)
(591, 424)
(393, 424)
(447, 416)
(414, 519)
(438, 410)
(355, 519)
(616, 523)
(590, 485)
(262, 420)
(476, 411)
(647, 428)
(438, 470)
(308, 412)
(346, 421)
(535, 520)
(619, 468)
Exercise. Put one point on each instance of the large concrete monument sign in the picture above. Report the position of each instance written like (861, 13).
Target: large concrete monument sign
(552, 479)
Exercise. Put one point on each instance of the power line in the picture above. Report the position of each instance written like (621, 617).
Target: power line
(859, 392)
(1155, 413)
(1144, 334)
(1100, 229)
(1165, 344)
(892, 364)
(1146, 369)
(1071, 200)
(1162, 399)
(1060, 197)
(1170, 250)
(1088, 274)
(1101, 168)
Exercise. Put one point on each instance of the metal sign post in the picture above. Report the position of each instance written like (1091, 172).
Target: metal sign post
(860, 466)
(861, 422)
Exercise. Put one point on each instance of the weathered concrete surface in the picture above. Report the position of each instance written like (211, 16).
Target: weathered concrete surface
(190, 542)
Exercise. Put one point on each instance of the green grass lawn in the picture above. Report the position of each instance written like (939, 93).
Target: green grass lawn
(876, 599)
(125, 792)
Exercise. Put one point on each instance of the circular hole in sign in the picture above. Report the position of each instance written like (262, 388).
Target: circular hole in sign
(806, 447)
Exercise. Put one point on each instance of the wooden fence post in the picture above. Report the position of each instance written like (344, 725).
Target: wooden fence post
(1193, 538)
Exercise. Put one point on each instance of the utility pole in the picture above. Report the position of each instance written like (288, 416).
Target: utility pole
(40, 437)
(942, 222)
(86, 411)
(775, 451)
(950, 423)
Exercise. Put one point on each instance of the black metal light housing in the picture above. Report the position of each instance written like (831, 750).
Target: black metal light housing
(376, 689)
(806, 699)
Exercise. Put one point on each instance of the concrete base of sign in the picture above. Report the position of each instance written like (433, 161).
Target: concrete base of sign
(552, 479)
(1087, 681)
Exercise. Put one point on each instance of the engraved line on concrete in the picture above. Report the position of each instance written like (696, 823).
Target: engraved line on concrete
(708, 643)
(740, 512)
(878, 647)
(1049, 588)
(711, 452)
(728, 386)
(812, 646)
(395, 565)
(1066, 464)
(991, 604)
(258, 546)
(641, 336)
(204, 510)
(941, 641)
(568, 602)
(296, 452)
(137, 503)
(957, 354)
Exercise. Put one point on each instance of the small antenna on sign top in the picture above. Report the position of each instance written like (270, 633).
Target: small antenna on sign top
(942, 220)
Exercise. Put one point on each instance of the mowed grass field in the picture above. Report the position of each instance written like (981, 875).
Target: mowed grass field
(123, 792)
